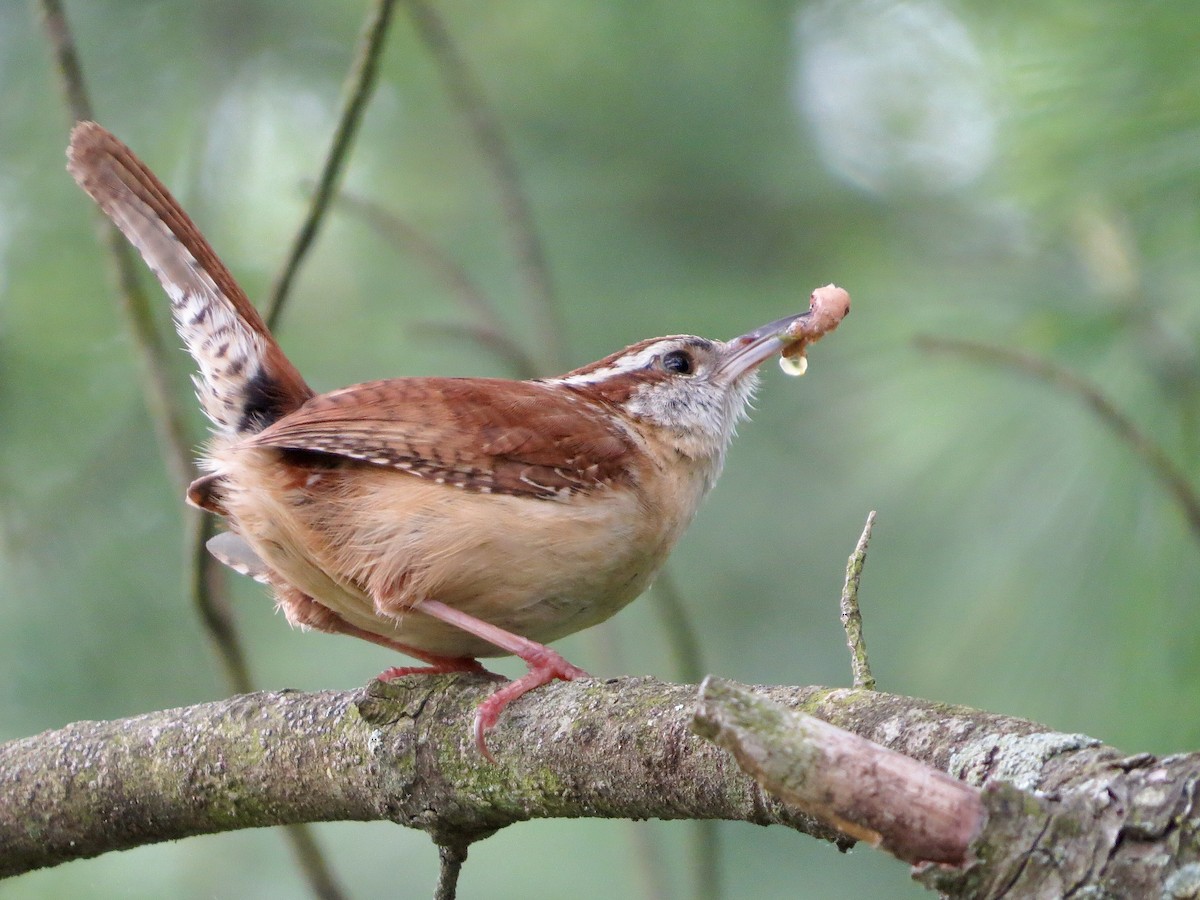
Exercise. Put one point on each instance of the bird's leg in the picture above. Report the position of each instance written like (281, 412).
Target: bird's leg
(303, 610)
(545, 665)
(438, 665)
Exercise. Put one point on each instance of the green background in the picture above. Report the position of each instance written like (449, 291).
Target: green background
(1025, 174)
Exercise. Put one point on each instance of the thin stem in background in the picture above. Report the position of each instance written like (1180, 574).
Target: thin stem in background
(681, 636)
(360, 84)
(511, 355)
(1172, 478)
(157, 386)
(485, 326)
(468, 95)
(648, 854)
(207, 588)
(161, 398)
(705, 845)
(208, 584)
(312, 862)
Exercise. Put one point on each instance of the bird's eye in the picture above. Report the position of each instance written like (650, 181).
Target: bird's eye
(678, 362)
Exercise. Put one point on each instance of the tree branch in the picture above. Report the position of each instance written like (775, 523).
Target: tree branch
(617, 749)
(401, 752)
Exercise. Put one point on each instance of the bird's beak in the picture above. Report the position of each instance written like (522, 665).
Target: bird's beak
(746, 353)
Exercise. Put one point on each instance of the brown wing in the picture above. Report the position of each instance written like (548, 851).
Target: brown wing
(486, 435)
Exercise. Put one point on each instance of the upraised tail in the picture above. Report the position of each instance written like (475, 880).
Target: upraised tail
(245, 382)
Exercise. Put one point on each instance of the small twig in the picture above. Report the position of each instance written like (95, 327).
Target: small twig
(863, 789)
(165, 413)
(360, 83)
(1172, 478)
(469, 96)
(851, 616)
(451, 857)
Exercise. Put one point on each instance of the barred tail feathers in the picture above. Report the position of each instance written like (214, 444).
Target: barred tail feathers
(245, 381)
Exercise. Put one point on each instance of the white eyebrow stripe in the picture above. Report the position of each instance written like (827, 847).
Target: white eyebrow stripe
(631, 363)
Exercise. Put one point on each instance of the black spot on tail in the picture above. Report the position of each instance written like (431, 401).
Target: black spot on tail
(263, 402)
(315, 459)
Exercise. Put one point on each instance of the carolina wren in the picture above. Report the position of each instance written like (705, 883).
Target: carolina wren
(447, 518)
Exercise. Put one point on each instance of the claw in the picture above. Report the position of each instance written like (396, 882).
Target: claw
(545, 665)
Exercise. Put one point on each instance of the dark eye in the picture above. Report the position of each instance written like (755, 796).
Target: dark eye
(679, 362)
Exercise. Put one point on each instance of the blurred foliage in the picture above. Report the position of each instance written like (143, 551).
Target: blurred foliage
(1025, 174)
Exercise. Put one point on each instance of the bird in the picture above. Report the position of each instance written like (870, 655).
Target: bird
(449, 519)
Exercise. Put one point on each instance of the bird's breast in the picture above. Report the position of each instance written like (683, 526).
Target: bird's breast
(370, 543)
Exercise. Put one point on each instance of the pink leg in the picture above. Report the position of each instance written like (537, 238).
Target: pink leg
(438, 665)
(545, 664)
(302, 609)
